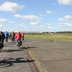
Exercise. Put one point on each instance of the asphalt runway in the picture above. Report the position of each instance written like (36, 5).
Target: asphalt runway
(53, 56)
(15, 59)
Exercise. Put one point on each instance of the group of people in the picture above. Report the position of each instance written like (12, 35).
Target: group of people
(5, 36)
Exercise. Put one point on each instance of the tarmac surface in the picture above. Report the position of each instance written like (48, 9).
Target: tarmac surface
(51, 56)
(14, 59)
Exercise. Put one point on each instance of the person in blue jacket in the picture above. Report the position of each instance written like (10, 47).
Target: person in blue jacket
(6, 36)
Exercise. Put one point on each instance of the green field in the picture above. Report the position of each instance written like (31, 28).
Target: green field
(51, 37)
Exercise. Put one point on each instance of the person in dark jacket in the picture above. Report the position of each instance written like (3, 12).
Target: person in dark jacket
(1, 39)
(3, 36)
(12, 36)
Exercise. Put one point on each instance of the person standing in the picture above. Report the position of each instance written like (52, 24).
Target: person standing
(6, 36)
(12, 36)
(3, 37)
(22, 36)
(18, 38)
(1, 40)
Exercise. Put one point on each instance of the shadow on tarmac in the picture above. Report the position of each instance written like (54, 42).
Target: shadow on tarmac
(10, 61)
(15, 50)
(27, 47)
(11, 50)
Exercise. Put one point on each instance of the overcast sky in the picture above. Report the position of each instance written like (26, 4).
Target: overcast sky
(36, 15)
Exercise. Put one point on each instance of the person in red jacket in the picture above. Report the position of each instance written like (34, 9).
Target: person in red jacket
(22, 36)
(18, 38)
